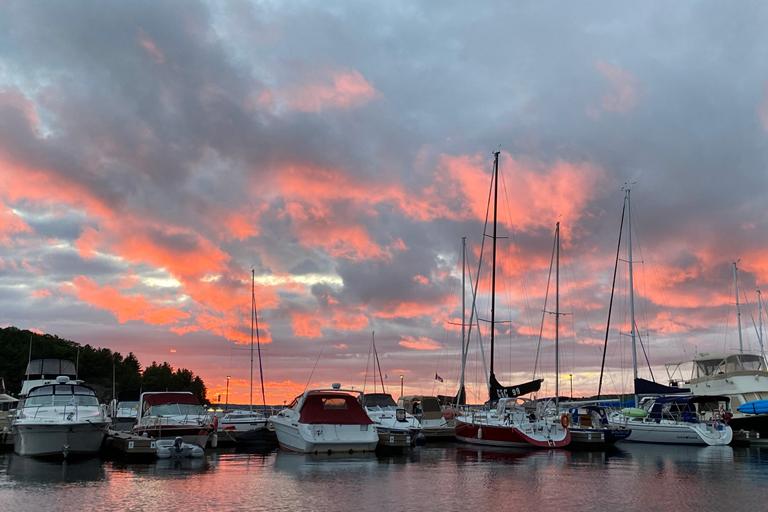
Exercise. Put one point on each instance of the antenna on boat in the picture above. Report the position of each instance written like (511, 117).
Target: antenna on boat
(760, 322)
(464, 345)
(738, 307)
(378, 364)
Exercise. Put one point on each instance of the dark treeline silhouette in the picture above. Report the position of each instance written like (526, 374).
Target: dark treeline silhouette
(94, 366)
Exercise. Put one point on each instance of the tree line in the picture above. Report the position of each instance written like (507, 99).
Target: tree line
(95, 366)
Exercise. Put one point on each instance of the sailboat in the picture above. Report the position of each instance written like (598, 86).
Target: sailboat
(670, 415)
(514, 422)
(250, 427)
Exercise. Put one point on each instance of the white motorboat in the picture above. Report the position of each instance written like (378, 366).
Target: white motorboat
(395, 427)
(245, 427)
(172, 414)
(177, 449)
(60, 419)
(325, 421)
(681, 419)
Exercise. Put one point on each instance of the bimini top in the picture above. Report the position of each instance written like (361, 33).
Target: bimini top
(51, 367)
(153, 398)
(332, 408)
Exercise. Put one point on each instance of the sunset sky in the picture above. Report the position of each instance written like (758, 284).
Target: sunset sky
(152, 153)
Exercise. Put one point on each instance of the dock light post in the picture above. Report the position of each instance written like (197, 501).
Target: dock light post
(401, 384)
(226, 405)
(571, 377)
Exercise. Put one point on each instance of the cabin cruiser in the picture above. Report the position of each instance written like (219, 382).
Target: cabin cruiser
(515, 422)
(426, 409)
(742, 377)
(60, 419)
(172, 414)
(245, 427)
(590, 427)
(396, 428)
(325, 421)
(677, 419)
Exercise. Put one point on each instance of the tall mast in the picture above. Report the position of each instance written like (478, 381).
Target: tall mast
(258, 341)
(760, 321)
(738, 308)
(633, 333)
(463, 315)
(493, 266)
(557, 316)
(253, 298)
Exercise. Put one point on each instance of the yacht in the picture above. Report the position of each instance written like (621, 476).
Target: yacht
(514, 423)
(590, 427)
(742, 377)
(172, 414)
(677, 419)
(325, 421)
(60, 419)
(395, 427)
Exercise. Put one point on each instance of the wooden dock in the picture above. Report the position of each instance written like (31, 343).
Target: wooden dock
(125, 444)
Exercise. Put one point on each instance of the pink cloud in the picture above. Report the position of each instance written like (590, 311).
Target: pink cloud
(419, 343)
(622, 95)
(341, 90)
(150, 47)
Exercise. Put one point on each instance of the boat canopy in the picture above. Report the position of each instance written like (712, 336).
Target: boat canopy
(709, 365)
(169, 397)
(51, 367)
(647, 387)
(332, 408)
(378, 400)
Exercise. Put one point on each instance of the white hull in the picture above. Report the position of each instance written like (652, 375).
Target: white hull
(63, 440)
(667, 432)
(324, 438)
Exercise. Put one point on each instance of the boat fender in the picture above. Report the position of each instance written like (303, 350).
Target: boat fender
(564, 421)
(480, 433)
(215, 423)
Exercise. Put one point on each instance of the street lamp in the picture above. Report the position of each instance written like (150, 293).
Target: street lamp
(226, 406)
(571, 376)
(401, 385)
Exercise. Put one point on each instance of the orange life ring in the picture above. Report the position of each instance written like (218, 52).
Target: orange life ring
(564, 421)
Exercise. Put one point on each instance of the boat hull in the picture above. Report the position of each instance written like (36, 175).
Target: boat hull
(322, 438)
(597, 437)
(645, 431)
(508, 436)
(59, 440)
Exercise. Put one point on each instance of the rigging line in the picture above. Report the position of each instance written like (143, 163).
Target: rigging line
(367, 362)
(642, 346)
(322, 349)
(544, 312)
(376, 354)
(258, 339)
(479, 332)
(752, 316)
(610, 302)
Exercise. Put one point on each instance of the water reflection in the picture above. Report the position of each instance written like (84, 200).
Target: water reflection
(40, 471)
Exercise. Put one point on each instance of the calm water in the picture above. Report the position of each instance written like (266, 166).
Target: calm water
(437, 477)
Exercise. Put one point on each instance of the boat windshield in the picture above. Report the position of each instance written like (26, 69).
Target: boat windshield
(175, 410)
(379, 400)
(732, 363)
(61, 395)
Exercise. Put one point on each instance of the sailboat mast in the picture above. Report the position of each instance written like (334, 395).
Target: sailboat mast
(760, 322)
(258, 341)
(557, 315)
(738, 307)
(463, 315)
(493, 266)
(631, 289)
(250, 388)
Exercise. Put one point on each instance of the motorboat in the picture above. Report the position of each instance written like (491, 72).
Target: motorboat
(172, 414)
(177, 449)
(396, 428)
(426, 409)
(325, 421)
(741, 376)
(245, 427)
(60, 419)
(515, 422)
(124, 415)
(677, 419)
(590, 427)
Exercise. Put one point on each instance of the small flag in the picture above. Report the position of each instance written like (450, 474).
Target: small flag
(437, 377)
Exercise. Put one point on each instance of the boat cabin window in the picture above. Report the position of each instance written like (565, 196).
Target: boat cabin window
(175, 410)
(709, 367)
(379, 400)
(61, 395)
(334, 403)
(751, 362)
